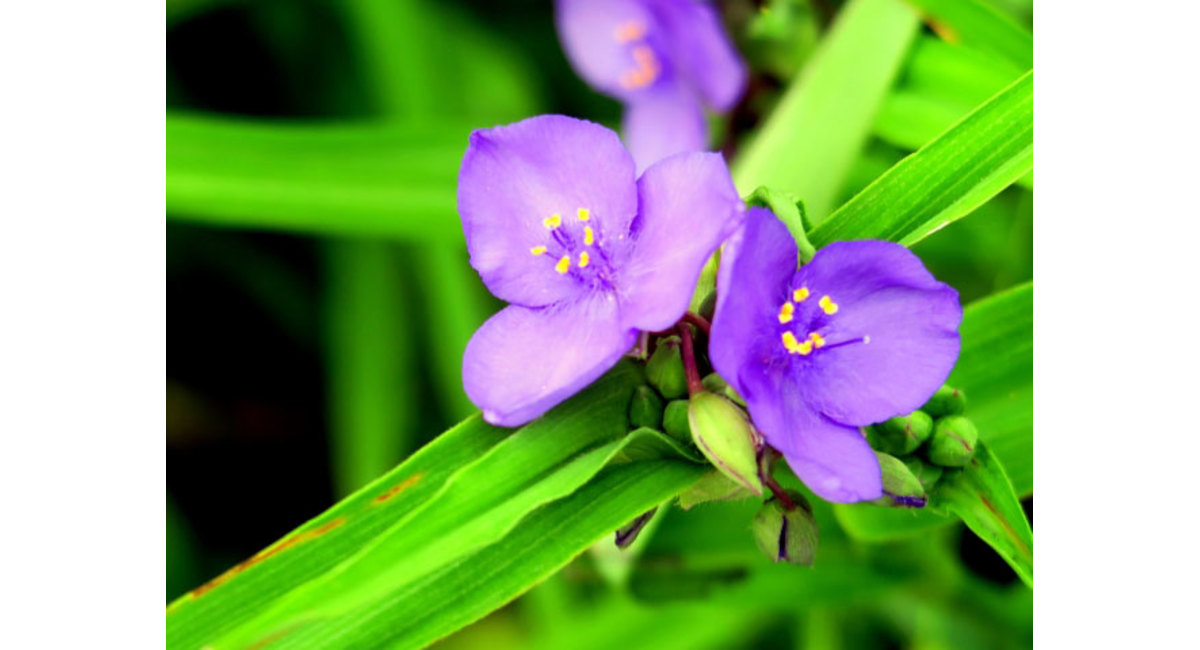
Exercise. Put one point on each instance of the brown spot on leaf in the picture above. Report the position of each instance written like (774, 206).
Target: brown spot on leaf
(399, 487)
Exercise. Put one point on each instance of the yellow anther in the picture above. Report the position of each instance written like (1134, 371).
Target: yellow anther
(630, 30)
(786, 312)
(804, 348)
(563, 264)
(817, 340)
(790, 342)
(800, 295)
(828, 306)
(589, 237)
(646, 71)
(584, 214)
(553, 221)
(537, 250)
(584, 259)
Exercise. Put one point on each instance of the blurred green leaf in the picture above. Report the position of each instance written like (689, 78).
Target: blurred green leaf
(391, 180)
(811, 139)
(995, 368)
(370, 360)
(946, 179)
(983, 497)
(976, 24)
(880, 524)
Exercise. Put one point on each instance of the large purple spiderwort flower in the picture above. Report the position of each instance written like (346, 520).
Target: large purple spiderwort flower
(664, 59)
(558, 224)
(860, 334)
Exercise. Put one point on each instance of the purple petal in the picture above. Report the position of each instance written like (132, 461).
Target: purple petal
(882, 292)
(664, 122)
(701, 51)
(617, 46)
(514, 177)
(688, 206)
(756, 264)
(522, 362)
(833, 460)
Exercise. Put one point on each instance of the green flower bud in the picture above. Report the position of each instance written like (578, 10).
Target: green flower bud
(723, 434)
(953, 441)
(901, 488)
(787, 535)
(715, 383)
(927, 473)
(946, 401)
(665, 371)
(645, 409)
(902, 435)
(675, 421)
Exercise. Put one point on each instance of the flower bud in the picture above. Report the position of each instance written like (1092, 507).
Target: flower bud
(715, 383)
(927, 473)
(645, 409)
(724, 435)
(675, 421)
(946, 401)
(953, 441)
(665, 371)
(901, 488)
(713, 486)
(902, 435)
(787, 535)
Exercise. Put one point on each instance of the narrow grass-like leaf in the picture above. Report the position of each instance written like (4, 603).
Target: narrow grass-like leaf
(370, 357)
(995, 368)
(808, 144)
(370, 180)
(366, 545)
(946, 179)
(979, 25)
(983, 497)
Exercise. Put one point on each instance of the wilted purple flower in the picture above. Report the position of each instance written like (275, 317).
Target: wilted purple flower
(558, 224)
(860, 334)
(664, 59)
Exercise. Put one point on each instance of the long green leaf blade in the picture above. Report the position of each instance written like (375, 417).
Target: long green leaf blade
(976, 24)
(945, 180)
(390, 180)
(811, 139)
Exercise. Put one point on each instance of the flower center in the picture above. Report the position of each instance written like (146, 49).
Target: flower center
(572, 246)
(814, 340)
(646, 67)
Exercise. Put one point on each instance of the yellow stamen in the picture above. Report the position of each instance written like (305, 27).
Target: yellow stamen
(537, 250)
(800, 295)
(817, 339)
(589, 237)
(786, 312)
(553, 221)
(583, 259)
(584, 214)
(828, 306)
(790, 342)
(804, 348)
(563, 264)
(646, 71)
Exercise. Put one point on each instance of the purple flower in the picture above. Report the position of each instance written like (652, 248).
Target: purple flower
(665, 59)
(860, 334)
(558, 224)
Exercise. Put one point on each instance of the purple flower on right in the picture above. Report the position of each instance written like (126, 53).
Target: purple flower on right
(860, 334)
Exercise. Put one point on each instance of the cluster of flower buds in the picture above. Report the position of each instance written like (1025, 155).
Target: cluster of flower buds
(914, 449)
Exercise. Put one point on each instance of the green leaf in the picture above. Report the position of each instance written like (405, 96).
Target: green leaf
(995, 368)
(946, 179)
(983, 497)
(978, 25)
(811, 139)
(880, 524)
(386, 180)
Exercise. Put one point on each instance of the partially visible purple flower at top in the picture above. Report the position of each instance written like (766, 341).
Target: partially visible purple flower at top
(558, 224)
(860, 334)
(665, 59)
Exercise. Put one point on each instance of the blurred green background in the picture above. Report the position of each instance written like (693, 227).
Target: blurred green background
(319, 300)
